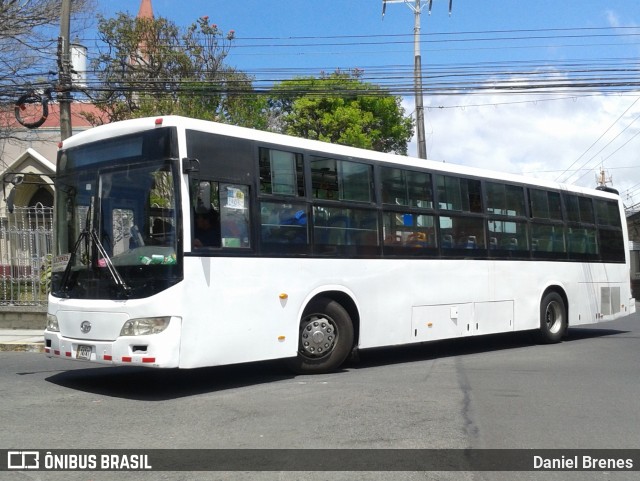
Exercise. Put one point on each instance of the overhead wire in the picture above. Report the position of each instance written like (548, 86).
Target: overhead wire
(615, 151)
(598, 140)
(399, 79)
(540, 79)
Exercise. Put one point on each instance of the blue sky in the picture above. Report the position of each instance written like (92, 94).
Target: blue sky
(318, 19)
(563, 134)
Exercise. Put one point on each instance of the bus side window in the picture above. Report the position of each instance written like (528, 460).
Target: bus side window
(283, 224)
(206, 209)
(234, 215)
(224, 209)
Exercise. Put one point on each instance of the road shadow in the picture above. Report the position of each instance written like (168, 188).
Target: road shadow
(148, 384)
(466, 346)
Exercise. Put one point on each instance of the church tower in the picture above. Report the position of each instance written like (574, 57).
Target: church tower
(145, 13)
(146, 10)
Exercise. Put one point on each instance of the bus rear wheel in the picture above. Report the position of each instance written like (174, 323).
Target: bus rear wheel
(553, 318)
(325, 338)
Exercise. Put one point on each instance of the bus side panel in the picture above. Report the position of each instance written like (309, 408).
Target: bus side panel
(234, 313)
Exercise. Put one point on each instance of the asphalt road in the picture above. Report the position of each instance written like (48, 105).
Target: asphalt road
(500, 391)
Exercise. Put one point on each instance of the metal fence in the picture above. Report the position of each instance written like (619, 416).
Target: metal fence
(26, 242)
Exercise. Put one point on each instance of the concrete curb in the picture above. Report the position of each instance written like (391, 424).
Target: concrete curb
(19, 346)
(24, 340)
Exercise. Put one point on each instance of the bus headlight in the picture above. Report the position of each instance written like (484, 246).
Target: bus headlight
(52, 323)
(144, 326)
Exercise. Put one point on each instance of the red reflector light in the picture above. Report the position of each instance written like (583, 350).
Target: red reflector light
(126, 359)
(107, 357)
(56, 352)
(148, 359)
(47, 350)
(159, 121)
(68, 354)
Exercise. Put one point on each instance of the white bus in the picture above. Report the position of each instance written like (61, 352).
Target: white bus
(185, 243)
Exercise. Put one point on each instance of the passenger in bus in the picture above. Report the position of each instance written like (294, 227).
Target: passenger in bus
(162, 232)
(293, 226)
(207, 230)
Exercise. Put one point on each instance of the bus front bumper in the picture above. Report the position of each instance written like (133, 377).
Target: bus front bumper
(153, 350)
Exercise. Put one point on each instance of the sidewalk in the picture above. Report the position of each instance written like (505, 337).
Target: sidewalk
(21, 340)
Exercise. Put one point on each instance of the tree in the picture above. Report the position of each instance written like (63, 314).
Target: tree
(153, 67)
(28, 47)
(341, 108)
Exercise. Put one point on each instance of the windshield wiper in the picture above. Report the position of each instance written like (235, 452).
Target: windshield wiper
(89, 234)
(117, 278)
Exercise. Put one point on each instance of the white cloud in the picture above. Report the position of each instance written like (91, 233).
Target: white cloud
(539, 138)
(612, 18)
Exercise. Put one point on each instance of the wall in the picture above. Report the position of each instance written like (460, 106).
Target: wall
(23, 317)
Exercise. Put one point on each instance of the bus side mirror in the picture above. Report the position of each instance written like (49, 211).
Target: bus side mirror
(190, 165)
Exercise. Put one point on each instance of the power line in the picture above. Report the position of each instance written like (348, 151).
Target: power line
(541, 79)
(599, 138)
(629, 140)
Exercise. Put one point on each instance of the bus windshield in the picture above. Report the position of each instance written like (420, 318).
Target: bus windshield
(118, 234)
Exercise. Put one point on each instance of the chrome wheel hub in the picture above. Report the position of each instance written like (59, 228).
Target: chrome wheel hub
(317, 336)
(553, 317)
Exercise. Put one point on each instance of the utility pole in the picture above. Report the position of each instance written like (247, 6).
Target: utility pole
(64, 70)
(417, 80)
(416, 6)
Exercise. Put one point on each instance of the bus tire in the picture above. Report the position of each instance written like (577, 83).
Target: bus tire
(325, 338)
(553, 318)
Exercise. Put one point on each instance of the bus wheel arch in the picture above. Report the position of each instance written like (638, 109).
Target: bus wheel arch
(554, 315)
(328, 330)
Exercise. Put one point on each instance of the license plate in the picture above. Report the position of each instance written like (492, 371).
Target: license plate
(83, 352)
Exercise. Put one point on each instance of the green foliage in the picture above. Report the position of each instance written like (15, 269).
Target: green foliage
(45, 274)
(152, 67)
(341, 108)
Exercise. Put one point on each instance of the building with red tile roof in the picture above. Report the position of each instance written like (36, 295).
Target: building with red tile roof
(33, 151)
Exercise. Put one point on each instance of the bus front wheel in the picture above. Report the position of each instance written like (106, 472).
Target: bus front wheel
(553, 318)
(325, 338)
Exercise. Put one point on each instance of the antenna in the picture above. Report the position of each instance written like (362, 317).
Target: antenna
(601, 178)
(602, 181)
